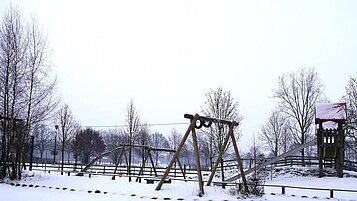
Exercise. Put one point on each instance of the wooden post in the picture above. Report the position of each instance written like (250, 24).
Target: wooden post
(141, 171)
(198, 164)
(340, 153)
(117, 162)
(152, 163)
(320, 147)
(220, 154)
(239, 160)
(182, 171)
(189, 129)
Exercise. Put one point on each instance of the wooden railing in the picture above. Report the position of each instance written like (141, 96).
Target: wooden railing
(109, 170)
(330, 190)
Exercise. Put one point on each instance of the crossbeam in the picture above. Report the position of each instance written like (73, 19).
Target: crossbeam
(210, 119)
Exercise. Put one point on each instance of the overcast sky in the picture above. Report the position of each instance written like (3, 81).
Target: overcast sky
(166, 55)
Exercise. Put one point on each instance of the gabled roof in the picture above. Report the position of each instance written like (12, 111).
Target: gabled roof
(335, 112)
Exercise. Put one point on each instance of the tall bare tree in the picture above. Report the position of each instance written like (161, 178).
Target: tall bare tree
(143, 138)
(67, 127)
(351, 103)
(27, 89)
(220, 104)
(41, 100)
(132, 120)
(13, 46)
(298, 92)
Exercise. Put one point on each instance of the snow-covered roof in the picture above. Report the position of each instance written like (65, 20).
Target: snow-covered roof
(335, 112)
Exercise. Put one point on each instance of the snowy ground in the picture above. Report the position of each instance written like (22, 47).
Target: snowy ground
(44, 186)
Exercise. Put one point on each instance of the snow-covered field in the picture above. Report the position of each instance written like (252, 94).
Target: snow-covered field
(44, 186)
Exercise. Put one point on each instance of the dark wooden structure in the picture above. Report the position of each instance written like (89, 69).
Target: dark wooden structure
(122, 153)
(330, 120)
(206, 122)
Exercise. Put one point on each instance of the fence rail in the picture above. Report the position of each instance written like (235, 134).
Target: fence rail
(109, 170)
(330, 190)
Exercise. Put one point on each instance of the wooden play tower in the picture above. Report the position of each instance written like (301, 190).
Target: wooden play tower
(330, 120)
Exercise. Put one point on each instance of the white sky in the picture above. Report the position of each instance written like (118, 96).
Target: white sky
(166, 55)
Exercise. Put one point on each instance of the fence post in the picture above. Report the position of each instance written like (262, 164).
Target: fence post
(283, 190)
(331, 193)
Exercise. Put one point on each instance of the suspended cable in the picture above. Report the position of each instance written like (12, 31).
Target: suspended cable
(123, 125)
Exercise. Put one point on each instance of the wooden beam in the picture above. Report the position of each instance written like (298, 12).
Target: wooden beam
(189, 129)
(198, 164)
(239, 160)
(210, 119)
(220, 154)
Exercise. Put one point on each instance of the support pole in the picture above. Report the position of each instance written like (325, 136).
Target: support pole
(31, 154)
(239, 160)
(117, 162)
(189, 129)
(320, 148)
(141, 171)
(220, 154)
(198, 164)
(152, 163)
(182, 171)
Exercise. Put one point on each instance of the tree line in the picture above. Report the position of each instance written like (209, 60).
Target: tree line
(29, 103)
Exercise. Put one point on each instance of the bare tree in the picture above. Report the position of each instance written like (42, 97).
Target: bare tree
(43, 137)
(220, 104)
(351, 102)
(143, 138)
(40, 94)
(298, 92)
(112, 139)
(174, 140)
(132, 120)
(274, 135)
(13, 67)
(256, 180)
(27, 89)
(255, 151)
(204, 148)
(159, 141)
(67, 127)
(90, 142)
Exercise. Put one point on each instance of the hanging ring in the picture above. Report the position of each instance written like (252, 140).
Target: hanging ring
(200, 125)
(207, 125)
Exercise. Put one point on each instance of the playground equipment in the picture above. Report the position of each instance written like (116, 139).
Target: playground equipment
(274, 160)
(122, 148)
(330, 118)
(192, 129)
